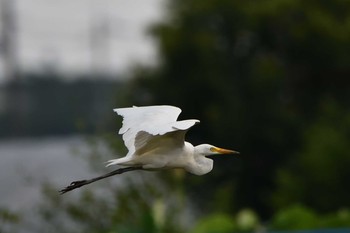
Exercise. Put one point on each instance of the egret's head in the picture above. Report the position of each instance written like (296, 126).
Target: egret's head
(206, 149)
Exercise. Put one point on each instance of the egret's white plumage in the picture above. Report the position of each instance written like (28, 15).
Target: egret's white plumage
(156, 140)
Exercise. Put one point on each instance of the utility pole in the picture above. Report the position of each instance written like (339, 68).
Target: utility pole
(8, 45)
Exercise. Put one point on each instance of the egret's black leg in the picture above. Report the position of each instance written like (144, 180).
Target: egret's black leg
(80, 183)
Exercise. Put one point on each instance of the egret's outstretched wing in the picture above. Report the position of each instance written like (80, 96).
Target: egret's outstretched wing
(147, 143)
(154, 120)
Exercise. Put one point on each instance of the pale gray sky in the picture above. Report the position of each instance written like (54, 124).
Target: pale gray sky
(82, 35)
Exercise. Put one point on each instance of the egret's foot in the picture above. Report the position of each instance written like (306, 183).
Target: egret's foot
(73, 185)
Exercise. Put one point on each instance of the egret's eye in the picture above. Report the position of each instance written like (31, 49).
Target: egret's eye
(213, 149)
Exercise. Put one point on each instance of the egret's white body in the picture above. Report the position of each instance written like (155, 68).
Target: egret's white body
(156, 140)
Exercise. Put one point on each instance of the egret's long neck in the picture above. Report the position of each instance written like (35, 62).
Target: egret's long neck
(201, 165)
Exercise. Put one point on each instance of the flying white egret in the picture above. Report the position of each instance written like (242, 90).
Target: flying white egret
(156, 140)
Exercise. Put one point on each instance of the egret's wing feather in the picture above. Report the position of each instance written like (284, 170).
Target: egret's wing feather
(146, 143)
(173, 139)
(138, 117)
(155, 120)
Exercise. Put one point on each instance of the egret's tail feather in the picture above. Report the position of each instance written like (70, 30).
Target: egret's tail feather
(117, 161)
(111, 162)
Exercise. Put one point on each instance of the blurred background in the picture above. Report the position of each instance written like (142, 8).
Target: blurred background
(269, 78)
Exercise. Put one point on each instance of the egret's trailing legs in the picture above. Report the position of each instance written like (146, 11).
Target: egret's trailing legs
(80, 183)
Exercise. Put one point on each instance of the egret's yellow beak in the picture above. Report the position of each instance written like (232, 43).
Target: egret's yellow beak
(223, 151)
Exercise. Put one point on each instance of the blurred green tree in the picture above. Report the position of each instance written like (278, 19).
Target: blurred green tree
(257, 74)
(9, 220)
(317, 174)
(299, 217)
